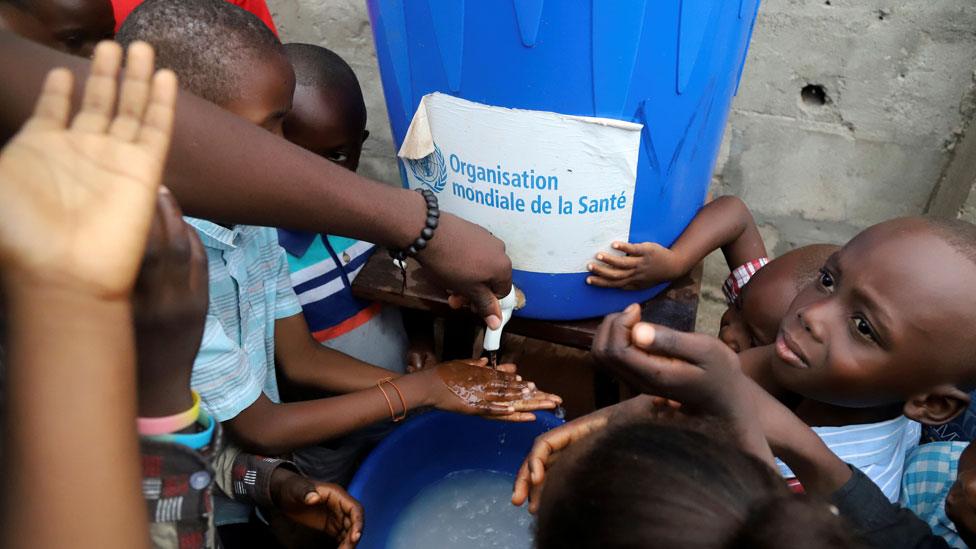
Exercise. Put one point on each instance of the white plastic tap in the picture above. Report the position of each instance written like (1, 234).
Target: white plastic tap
(493, 337)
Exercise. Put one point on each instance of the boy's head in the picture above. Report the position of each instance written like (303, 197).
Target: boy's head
(328, 115)
(221, 53)
(754, 319)
(888, 320)
(648, 484)
(72, 26)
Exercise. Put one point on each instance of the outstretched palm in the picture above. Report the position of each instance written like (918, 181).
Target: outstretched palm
(76, 201)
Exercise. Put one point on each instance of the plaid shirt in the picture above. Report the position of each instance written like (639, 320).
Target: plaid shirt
(177, 484)
(740, 276)
(930, 472)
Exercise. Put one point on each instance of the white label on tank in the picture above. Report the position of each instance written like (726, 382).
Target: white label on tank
(555, 188)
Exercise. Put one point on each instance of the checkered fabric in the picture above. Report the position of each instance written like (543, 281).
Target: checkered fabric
(176, 484)
(740, 277)
(930, 471)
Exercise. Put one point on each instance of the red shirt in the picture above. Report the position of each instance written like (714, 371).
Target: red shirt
(257, 7)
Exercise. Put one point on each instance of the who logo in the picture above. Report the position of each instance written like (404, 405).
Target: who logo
(430, 170)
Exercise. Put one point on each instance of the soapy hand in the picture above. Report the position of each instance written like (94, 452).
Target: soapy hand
(86, 191)
(646, 264)
(471, 387)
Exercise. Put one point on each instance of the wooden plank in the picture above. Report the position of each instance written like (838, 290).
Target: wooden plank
(380, 280)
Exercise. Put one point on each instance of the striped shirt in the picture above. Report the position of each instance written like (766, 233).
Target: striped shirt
(323, 268)
(877, 449)
(930, 472)
(249, 290)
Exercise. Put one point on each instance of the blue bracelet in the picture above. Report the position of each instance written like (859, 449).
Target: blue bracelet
(195, 441)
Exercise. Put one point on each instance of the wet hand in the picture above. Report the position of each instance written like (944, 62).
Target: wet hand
(169, 306)
(646, 264)
(471, 387)
(87, 190)
(318, 505)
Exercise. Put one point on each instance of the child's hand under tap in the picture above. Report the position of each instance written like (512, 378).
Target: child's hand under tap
(471, 387)
(86, 190)
(646, 264)
(169, 307)
(321, 506)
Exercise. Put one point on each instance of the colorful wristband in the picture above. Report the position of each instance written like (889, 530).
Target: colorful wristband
(740, 276)
(152, 426)
(195, 441)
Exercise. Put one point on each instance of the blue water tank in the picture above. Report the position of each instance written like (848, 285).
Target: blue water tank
(671, 65)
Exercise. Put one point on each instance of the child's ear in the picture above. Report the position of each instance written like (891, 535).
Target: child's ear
(365, 135)
(940, 405)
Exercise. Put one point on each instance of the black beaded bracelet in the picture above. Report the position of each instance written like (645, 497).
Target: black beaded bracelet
(427, 233)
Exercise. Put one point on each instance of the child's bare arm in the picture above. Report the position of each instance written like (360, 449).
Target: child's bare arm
(75, 207)
(463, 386)
(303, 361)
(724, 223)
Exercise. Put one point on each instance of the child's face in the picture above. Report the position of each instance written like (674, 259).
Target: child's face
(72, 26)
(890, 316)
(266, 93)
(754, 320)
(961, 502)
(328, 125)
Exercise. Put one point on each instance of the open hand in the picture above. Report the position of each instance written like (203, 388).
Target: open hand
(471, 387)
(86, 191)
(697, 370)
(646, 264)
(320, 506)
(170, 307)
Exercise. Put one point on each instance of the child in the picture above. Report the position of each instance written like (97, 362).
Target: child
(856, 349)
(651, 484)
(328, 118)
(71, 26)
(724, 223)
(710, 387)
(753, 316)
(170, 305)
(254, 323)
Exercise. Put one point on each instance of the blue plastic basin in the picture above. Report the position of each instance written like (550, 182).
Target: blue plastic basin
(671, 65)
(426, 449)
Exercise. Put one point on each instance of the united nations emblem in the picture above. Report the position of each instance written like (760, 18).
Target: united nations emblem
(430, 170)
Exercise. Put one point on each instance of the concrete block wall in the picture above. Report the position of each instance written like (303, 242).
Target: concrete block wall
(850, 112)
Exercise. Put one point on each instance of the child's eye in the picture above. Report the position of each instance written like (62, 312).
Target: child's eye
(826, 279)
(337, 156)
(863, 328)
